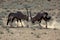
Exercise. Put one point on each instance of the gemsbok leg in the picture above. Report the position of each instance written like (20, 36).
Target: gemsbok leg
(11, 23)
(17, 22)
(46, 24)
(21, 23)
(40, 24)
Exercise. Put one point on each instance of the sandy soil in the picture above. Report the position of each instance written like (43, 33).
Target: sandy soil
(29, 34)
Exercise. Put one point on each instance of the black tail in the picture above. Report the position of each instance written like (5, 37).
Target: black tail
(9, 17)
(48, 18)
(8, 21)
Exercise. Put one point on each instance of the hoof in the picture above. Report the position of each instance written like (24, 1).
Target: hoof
(27, 26)
(46, 28)
(40, 28)
(22, 26)
(17, 26)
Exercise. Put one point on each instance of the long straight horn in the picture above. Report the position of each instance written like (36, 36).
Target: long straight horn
(30, 15)
(27, 11)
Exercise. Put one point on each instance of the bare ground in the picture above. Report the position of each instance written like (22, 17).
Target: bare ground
(29, 34)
